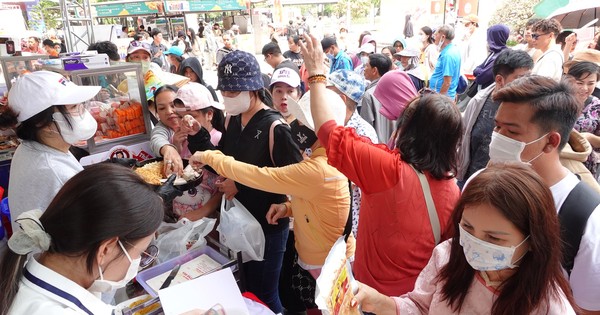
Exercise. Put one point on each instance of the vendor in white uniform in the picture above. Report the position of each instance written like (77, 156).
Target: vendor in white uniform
(89, 240)
(49, 116)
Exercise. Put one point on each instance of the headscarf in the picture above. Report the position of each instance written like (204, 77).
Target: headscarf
(497, 35)
(394, 90)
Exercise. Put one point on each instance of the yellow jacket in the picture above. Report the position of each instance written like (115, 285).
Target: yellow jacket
(320, 200)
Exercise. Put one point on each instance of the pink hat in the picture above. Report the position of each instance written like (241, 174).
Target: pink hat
(394, 90)
(195, 96)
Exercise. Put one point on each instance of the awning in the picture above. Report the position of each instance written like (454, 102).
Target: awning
(128, 8)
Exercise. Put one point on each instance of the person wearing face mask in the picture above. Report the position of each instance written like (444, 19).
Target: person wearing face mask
(501, 260)
(533, 123)
(48, 122)
(338, 59)
(409, 60)
(446, 74)
(473, 46)
(364, 52)
(429, 52)
(249, 126)
(90, 240)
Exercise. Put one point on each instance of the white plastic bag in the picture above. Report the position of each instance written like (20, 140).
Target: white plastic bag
(239, 230)
(176, 239)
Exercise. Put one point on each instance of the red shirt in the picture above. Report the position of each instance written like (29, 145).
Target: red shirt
(396, 239)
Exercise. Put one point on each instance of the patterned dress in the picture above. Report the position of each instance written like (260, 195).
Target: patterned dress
(589, 121)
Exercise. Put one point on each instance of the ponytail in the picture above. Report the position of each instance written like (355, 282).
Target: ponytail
(11, 271)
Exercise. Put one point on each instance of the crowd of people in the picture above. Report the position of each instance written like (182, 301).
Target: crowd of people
(493, 210)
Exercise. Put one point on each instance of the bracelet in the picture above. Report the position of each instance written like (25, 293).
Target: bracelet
(317, 78)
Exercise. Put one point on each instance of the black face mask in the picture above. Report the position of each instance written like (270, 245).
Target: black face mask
(302, 135)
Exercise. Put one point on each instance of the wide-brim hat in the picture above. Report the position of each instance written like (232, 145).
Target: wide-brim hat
(348, 82)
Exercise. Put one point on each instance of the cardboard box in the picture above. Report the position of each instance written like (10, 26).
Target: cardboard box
(83, 62)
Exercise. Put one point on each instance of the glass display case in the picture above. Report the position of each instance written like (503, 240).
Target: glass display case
(120, 108)
(12, 67)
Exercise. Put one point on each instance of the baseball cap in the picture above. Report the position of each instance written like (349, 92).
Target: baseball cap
(195, 96)
(137, 45)
(239, 71)
(470, 18)
(348, 82)
(394, 90)
(368, 48)
(34, 92)
(301, 109)
(287, 76)
(408, 52)
(174, 50)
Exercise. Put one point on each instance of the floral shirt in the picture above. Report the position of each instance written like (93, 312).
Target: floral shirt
(589, 121)
(363, 128)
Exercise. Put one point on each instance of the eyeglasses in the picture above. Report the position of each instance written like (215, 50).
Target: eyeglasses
(148, 256)
(136, 43)
(536, 36)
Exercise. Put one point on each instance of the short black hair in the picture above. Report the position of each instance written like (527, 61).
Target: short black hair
(106, 47)
(510, 60)
(48, 42)
(155, 32)
(381, 62)
(328, 42)
(582, 69)
(295, 38)
(271, 49)
(561, 38)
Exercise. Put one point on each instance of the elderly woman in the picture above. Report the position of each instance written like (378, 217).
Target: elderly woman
(395, 213)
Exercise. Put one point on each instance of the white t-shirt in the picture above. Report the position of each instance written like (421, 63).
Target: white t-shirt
(550, 64)
(37, 173)
(585, 276)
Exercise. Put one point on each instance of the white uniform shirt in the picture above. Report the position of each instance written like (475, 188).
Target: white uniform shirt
(585, 276)
(37, 173)
(43, 291)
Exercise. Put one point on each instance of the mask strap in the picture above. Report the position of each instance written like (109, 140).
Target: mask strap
(514, 265)
(538, 139)
(125, 251)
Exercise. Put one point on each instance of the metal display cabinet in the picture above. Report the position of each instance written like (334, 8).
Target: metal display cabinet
(120, 108)
(12, 67)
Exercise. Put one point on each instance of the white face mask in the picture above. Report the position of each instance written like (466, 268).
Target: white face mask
(102, 285)
(483, 256)
(422, 38)
(237, 105)
(504, 149)
(82, 127)
(441, 42)
(364, 60)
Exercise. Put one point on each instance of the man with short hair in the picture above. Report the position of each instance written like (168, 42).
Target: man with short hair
(478, 119)
(533, 123)
(446, 74)
(226, 49)
(350, 86)
(294, 53)
(33, 46)
(157, 49)
(474, 47)
(544, 38)
(275, 59)
(375, 68)
(50, 47)
(338, 59)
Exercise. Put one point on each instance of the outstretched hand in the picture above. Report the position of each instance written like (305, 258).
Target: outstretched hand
(313, 55)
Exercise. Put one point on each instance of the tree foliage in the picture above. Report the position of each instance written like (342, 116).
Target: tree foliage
(358, 8)
(514, 14)
(46, 13)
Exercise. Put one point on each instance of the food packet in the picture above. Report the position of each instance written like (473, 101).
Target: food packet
(336, 285)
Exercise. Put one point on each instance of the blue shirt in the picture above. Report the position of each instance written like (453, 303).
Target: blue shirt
(341, 61)
(448, 65)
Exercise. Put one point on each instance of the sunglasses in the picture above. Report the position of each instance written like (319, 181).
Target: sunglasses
(148, 256)
(139, 44)
(536, 36)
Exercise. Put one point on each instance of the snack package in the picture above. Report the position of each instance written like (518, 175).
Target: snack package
(336, 285)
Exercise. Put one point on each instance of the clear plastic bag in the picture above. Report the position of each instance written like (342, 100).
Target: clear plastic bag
(176, 239)
(239, 231)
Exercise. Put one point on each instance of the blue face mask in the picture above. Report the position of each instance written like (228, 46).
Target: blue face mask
(398, 65)
(330, 56)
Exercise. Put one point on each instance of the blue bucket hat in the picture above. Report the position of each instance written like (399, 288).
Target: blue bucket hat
(239, 71)
(348, 82)
(174, 50)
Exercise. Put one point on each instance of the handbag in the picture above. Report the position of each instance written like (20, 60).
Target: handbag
(433, 216)
(239, 230)
(472, 89)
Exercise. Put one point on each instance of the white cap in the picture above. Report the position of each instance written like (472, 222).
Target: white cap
(196, 96)
(287, 76)
(368, 48)
(34, 92)
(301, 109)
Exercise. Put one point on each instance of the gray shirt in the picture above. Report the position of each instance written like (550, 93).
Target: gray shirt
(37, 173)
(369, 111)
(160, 137)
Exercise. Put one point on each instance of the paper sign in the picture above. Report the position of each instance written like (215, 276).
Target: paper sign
(203, 293)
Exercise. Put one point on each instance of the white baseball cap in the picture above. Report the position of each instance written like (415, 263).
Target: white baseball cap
(368, 48)
(301, 109)
(196, 96)
(34, 92)
(287, 76)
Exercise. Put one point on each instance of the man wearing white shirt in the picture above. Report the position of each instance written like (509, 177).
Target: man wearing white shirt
(550, 62)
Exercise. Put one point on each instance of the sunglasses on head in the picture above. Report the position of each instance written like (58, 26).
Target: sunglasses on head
(139, 44)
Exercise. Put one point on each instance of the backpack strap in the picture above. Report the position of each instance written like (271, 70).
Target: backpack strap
(573, 216)
(272, 137)
(433, 216)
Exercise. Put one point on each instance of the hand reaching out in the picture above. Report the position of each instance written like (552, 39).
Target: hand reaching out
(313, 55)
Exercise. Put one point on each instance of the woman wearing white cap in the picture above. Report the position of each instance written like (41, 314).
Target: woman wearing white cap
(285, 85)
(49, 116)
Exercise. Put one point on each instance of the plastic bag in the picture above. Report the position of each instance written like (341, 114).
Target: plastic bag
(239, 230)
(176, 239)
